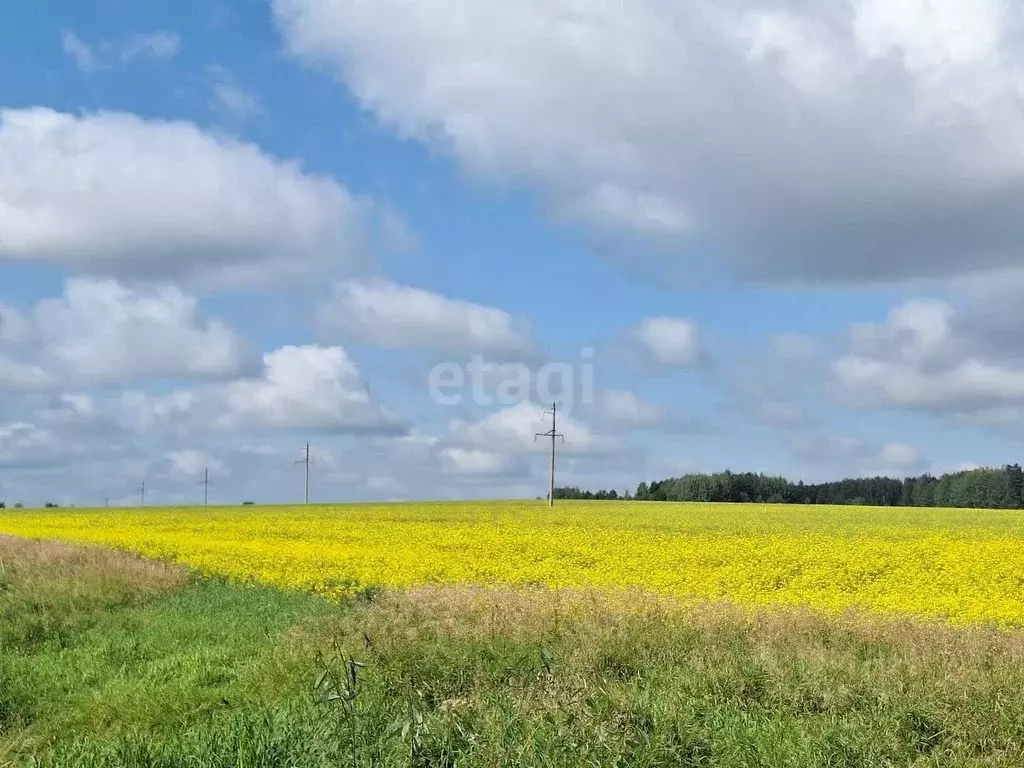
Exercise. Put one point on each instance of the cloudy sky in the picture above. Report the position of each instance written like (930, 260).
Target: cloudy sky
(782, 237)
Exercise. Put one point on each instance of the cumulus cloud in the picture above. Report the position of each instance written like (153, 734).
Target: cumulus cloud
(66, 411)
(102, 332)
(23, 376)
(934, 356)
(478, 462)
(308, 388)
(13, 327)
(731, 125)
(489, 456)
(170, 439)
(624, 410)
(900, 455)
(179, 411)
(191, 463)
(513, 430)
(26, 445)
(668, 341)
(157, 199)
(393, 316)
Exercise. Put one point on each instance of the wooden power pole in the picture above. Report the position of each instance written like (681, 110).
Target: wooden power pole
(554, 435)
(306, 460)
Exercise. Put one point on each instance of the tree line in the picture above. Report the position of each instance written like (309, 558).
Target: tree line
(989, 488)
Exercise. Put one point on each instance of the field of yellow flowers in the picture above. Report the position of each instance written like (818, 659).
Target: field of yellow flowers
(966, 566)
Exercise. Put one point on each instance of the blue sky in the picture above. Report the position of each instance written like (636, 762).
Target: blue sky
(789, 236)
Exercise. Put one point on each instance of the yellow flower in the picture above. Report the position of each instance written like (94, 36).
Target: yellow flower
(964, 565)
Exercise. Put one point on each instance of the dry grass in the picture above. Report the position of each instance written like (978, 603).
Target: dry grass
(534, 614)
(647, 681)
(51, 591)
(50, 566)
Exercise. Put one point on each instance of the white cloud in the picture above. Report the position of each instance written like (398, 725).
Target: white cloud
(730, 130)
(25, 445)
(191, 463)
(23, 376)
(98, 447)
(931, 355)
(15, 374)
(900, 455)
(619, 410)
(66, 410)
(971, 384)
(513, 431)
(492, 456)
(930, 35)
(795, 45)
(165, 200)
(623, 409)
(393, 316)
(80, 52)
(160, 45)
(669, 341)
(614, 208)
(852, 456)
(102, 332)
(310, 388)
(474, 461)
(154, 46)
(231, 99)
(13, 327)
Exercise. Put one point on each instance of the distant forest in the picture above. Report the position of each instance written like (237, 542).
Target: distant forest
(994, 488)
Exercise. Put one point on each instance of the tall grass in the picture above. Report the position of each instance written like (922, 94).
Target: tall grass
(96, 643)
(159, 670)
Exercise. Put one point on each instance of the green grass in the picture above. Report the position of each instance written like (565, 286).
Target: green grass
(89, 644)
(106, 660)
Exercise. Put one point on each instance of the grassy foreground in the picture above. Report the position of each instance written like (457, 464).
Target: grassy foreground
(108, 660)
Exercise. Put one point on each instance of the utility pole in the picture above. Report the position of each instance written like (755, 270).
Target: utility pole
(306, 460)
(206, 487)
(554, 435)
(142, 492)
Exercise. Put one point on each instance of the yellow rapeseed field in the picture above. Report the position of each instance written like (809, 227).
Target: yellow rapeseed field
(963, 565)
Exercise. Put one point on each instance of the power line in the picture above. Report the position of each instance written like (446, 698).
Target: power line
(307, 461)
(554, 435)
